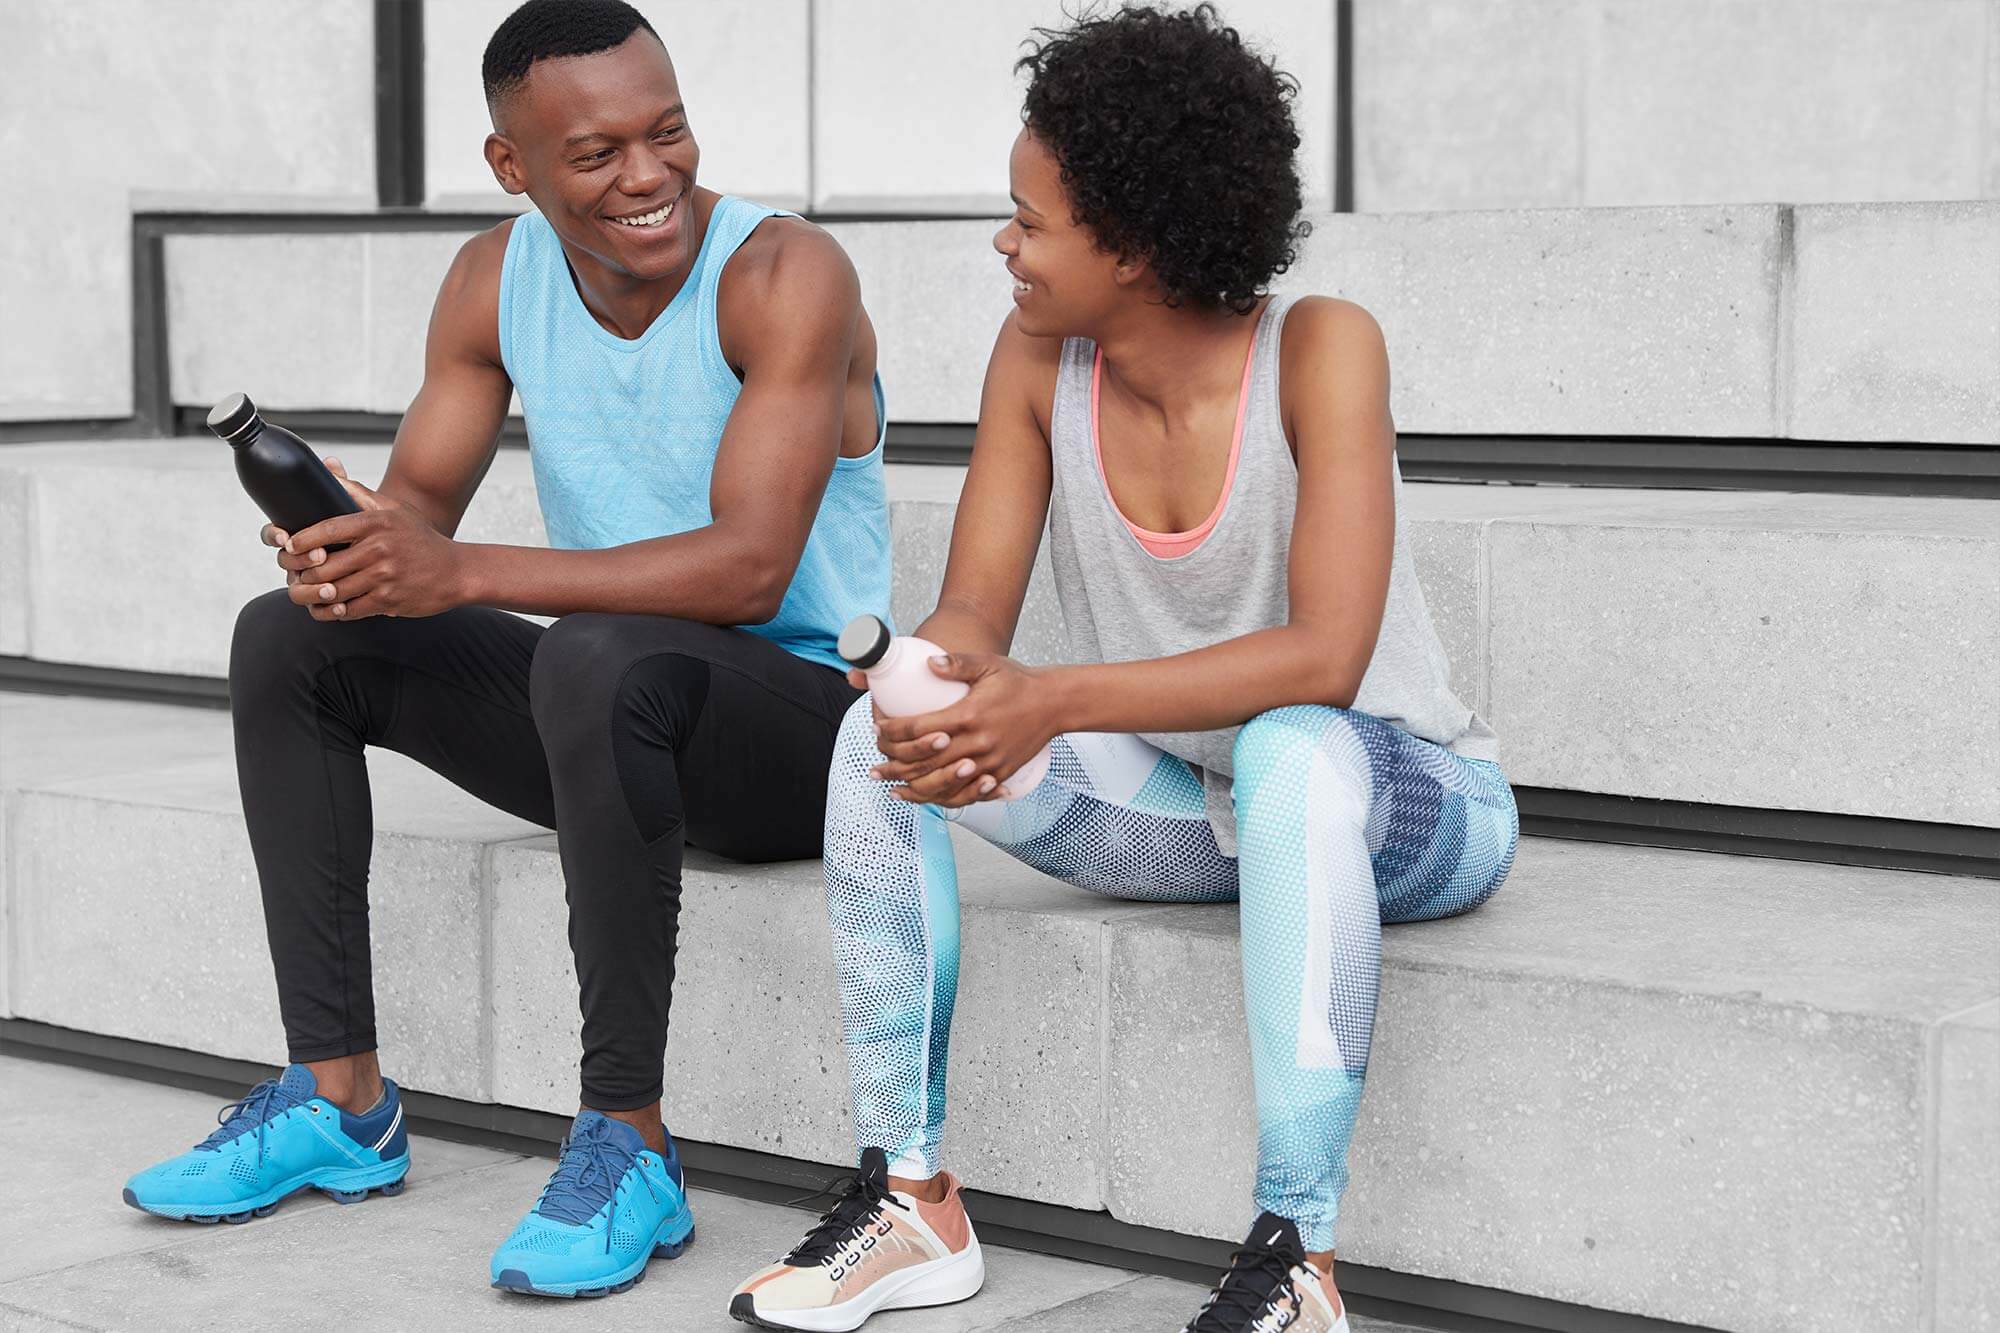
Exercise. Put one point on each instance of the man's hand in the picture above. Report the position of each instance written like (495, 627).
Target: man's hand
(966, 752)
(395, 564)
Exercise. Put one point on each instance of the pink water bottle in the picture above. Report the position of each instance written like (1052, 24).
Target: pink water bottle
(900, 676)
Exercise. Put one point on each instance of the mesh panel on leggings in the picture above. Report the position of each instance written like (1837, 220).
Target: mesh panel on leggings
(1343, 822)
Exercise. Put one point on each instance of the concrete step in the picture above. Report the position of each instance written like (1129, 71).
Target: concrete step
(1827, 322)
(1789, 652)
(1749, 1094)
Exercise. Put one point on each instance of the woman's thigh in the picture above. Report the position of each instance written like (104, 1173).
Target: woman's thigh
(1115, 815)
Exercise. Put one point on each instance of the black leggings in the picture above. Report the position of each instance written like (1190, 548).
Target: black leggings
(629, 735)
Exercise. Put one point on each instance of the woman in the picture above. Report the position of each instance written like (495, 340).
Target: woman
(1259, 707)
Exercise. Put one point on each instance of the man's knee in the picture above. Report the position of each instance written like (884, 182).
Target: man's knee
(635, 677)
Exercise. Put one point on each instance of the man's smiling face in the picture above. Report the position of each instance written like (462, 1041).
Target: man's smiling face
(601, 143)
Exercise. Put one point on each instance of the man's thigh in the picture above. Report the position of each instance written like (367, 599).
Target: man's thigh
(753, 770)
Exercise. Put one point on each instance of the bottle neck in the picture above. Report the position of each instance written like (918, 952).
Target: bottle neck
(247, 436)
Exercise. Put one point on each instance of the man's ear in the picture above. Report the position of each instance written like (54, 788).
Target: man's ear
(505, 160)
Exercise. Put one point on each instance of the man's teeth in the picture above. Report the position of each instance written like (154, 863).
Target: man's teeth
(652, 219)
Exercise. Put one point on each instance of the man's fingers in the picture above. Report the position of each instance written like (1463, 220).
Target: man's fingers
(302, 560)
(340, 530)
(273, 535)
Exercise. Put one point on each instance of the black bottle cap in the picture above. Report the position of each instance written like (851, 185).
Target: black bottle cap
(863, 642)
(232, 416)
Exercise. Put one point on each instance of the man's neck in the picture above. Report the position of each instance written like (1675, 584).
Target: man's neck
(622, 304)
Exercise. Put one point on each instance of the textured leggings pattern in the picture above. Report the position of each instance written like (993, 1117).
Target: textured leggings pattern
(1343, 823)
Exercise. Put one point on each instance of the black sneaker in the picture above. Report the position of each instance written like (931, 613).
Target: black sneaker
(1270, 1286)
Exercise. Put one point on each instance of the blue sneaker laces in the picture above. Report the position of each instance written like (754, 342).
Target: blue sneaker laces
(259, 1107)
(593, 1161)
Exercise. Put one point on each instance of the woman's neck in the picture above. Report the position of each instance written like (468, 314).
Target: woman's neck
(1162, 359)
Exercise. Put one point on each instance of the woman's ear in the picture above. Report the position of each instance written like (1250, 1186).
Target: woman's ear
(1131, 271)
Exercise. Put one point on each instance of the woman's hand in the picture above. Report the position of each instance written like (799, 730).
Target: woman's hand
(966, 752)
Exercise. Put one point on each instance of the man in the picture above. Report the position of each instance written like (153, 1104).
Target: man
(698, 379)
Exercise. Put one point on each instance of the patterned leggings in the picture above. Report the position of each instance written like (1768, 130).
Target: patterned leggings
(1343, 823)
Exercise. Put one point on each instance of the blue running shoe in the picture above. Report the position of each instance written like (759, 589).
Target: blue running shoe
(281, 1138)
(612, 1204)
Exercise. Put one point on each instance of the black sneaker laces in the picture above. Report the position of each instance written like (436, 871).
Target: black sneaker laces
(1257, 1276)
(861, 1198)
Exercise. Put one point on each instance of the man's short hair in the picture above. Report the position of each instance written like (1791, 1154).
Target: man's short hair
(541, 29)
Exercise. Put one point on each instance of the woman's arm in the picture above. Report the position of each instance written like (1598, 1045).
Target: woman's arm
(1005, 502)
(1336, 408)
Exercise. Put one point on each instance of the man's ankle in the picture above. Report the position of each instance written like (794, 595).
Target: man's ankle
(645, 1119)
(931, 1189)
(351, 1082)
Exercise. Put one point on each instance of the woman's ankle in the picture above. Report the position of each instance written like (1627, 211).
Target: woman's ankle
(931, 1189)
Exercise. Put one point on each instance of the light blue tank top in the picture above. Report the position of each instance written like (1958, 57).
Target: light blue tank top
(623, 431)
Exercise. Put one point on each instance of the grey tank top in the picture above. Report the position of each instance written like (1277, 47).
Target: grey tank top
(1121, 603)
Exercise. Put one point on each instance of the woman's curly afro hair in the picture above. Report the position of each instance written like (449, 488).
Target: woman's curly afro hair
(1176, 145)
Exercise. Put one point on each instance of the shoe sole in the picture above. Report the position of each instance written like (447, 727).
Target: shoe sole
(946, 1281)
(513, 1279)
(343, 1186)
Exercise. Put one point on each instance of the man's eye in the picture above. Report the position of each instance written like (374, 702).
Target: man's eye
(670, 133)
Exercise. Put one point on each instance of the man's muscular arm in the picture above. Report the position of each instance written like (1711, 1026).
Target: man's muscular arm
(788, 310)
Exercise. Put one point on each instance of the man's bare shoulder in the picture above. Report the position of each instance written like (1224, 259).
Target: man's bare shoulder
(467, 316)
(788, 277)
(787, 256)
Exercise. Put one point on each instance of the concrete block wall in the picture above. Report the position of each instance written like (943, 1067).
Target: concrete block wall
(108, 105)
(835, 105)
(1875, 323)
(1792, 652)
(1556, 103)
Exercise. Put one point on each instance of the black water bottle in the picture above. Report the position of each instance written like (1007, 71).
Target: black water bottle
(279, 470)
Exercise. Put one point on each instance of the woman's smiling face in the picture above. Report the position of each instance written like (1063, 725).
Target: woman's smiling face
(1063, 283)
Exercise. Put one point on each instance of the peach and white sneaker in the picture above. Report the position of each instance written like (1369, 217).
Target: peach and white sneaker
(1270, 1286)
(876, 1249)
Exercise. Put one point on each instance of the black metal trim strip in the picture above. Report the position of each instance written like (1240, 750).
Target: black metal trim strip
(1789, 835)
(26, 675)
(1343, 106)
(399, 103)
(1024, 1224)
(1822, 467)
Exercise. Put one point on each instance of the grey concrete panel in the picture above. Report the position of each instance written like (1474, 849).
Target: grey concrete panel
(1896, 323)
(937, 293)
(1968, 1176)
(182, 493)
(64, 1207)
(284, 319)
(403, 271)
(1990, 181)
(1451, 571)
(1787, 100)
(923, 512)
(157, 115)
(137, 914)
(1534, 1059)
(1462, 104)
(1751, 657)
(741, 70)
(755, 989)
(1565, 322)
(16, 541)
(883, 68)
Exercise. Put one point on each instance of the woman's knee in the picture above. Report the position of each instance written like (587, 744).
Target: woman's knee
(1283, 744)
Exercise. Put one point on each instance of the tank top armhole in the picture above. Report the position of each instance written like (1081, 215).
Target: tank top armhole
(730, 212)
(511, 260)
